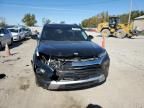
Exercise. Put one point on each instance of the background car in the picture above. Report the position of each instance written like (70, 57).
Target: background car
(5, 37)
(27, 32)
(92, 31)
(18, 33)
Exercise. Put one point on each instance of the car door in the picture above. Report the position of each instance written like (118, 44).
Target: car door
(7, 36)
(22, 34)
(3, 37)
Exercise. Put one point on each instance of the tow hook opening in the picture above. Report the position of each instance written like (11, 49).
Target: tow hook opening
(54, 77)
(42, 72)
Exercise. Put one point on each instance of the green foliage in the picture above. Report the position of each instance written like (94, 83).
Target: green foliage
(2, 22)
(124, 18)
(29, 19)
(44, 21)
(62, 22)
(95, 20)
(134, 14)
(104, 17)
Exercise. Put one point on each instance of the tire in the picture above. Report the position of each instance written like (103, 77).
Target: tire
(11, 42)
(120, 34)
(1, 47)
(105, 32)
(19, 38)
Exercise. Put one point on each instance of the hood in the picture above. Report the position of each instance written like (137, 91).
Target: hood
(14, 33)
(69, 48)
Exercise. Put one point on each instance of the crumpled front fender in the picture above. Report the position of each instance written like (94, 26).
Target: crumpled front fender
(47, 72)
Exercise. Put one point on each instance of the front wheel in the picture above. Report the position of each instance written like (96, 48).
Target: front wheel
(105, 32)
(11, 41)
(20, 38)
(1, 47)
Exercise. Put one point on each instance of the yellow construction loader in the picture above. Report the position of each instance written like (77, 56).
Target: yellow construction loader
(115, 28)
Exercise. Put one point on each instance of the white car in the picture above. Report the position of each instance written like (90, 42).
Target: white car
(5, 37)
(92, 32)
(17, 33)
(28, 32)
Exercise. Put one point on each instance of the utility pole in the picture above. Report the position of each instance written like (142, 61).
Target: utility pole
(129, 19)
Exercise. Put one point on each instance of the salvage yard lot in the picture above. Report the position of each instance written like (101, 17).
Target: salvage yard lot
(123, 88)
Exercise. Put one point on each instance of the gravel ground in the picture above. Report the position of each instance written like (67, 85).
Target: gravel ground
(123, 88)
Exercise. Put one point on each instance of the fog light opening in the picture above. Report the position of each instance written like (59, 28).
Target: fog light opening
(54, 76)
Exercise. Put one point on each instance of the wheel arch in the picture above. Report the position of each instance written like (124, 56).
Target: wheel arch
(105, 28)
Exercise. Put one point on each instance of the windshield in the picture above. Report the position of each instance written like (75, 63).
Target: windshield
(114, 21)
(14, 30)
(63, 34)
(27, 30)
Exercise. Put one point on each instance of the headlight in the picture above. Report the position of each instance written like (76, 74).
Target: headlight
(15, 35)
(40, 71)
(102, 54)
(54, 64)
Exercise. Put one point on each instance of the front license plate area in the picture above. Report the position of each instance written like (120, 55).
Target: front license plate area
(84, 63)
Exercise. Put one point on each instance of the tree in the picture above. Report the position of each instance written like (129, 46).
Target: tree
(29, 19)
(62, 22)
(2, 22)
(95, 20)
(44, 21)
(104, 17)
(134, 14)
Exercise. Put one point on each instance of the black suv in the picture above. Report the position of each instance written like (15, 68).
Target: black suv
(66, 58)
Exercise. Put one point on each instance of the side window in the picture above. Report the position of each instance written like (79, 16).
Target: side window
(0, 31)
(20, 30)
(6, 31)
(23, 29)
(3, 31)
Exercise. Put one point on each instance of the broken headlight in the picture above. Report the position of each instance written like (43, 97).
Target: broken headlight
(54, 64)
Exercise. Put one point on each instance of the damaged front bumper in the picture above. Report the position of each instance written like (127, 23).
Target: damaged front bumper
(79, 75)
(69, 85)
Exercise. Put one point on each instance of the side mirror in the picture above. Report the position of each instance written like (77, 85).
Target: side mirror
(38, 36)
(90, 37)
(1, 35)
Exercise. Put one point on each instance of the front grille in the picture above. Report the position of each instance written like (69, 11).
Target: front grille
(80, 74)
(79, 69)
